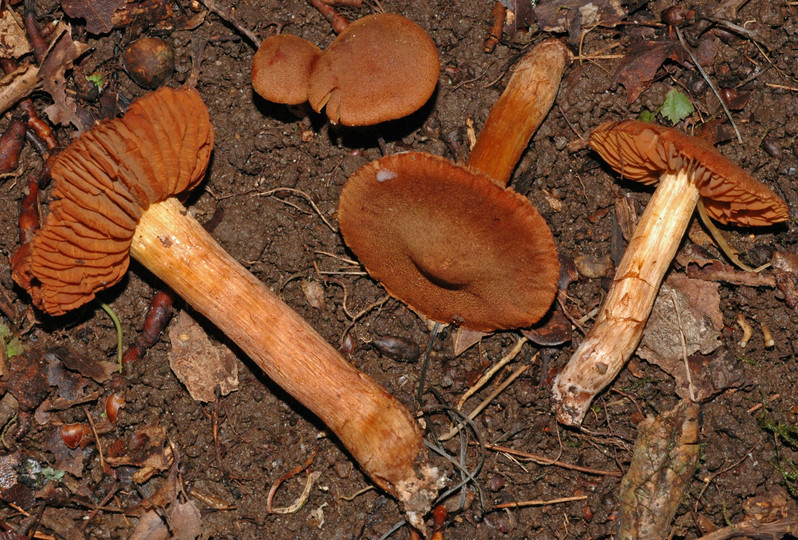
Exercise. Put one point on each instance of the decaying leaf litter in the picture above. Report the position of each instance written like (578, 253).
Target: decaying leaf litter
(268, 163)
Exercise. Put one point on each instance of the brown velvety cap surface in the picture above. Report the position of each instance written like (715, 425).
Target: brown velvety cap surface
(104, 181)
(381, 67)
(643, 151)
(281, 68)
(450, 243)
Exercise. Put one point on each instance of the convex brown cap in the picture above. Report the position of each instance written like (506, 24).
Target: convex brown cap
(449, 242)
(104, 181)
(381, 67)
(281, 68)
(643, 151)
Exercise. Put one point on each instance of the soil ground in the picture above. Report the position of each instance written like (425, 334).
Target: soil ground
(263, 433)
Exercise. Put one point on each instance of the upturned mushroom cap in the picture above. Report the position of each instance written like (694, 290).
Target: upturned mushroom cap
(643, 151)
(449, 242)
(104, 181)
(281, 68)
(381, 67)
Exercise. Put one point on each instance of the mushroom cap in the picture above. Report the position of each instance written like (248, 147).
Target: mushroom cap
(381, 67)
(449, 242)
(104, 181)
(643, 151)
(281, 68)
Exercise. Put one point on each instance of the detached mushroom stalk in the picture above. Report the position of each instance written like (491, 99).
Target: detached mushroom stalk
(377, 430)
(688, 170)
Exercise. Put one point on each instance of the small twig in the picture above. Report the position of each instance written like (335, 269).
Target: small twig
(355, 494)
(479, 408)
(782, 87)
(708, 480)
(539, 502)
(492, 371)
(96, 438)
(290, 474)
(543, 460)
(709, 82)
(303, 195)
(336, 20)
(684, 347)
(229, 19)
(425, 360)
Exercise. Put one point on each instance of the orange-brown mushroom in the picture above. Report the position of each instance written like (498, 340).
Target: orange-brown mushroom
(281, 68)
(379, 68)
(450, 241)
(113, 194)
(687, 169)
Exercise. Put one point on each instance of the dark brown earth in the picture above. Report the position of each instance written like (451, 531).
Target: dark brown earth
(263, 434)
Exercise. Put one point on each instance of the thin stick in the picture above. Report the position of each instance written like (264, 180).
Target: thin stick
(684, 347)
(479, 408)
(304, 196)
(293, 472)
(423, 376)
(782, 87)
(709, 82)
(539, 502)
(543, 460)
(492, 371)
(96, 438)
(229, 19)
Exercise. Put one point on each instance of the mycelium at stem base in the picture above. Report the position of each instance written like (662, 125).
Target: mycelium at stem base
(374, 427)
(623, 315)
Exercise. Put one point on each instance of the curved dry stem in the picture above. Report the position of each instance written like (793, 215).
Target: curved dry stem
(374, 426)
(623, 315)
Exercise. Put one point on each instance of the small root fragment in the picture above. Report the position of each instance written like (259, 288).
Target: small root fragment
(747, 330)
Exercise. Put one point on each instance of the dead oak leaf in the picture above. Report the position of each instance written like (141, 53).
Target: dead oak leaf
(642, 62)
(61, 55)
(96, 13)
(689, 309)
(199, 364)
(573, 15)
(13, 41)
(523, 15)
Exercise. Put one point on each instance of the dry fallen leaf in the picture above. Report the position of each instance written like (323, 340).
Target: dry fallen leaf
(663, 463)
(13, 40)
(690, 307)
(696, 314)
(640, 65)
(96, 13)
(198, 363)
(61, 55)
(573, 15)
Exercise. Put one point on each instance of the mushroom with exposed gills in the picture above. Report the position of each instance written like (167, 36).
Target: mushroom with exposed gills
(114, 195)
(451, 241)
(688, 169)
(381, 67)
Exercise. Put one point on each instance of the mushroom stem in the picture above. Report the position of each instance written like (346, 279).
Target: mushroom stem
(519, 111)
(623, 315)
(374, 426)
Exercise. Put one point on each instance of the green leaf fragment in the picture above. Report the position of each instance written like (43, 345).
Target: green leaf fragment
(676, 107)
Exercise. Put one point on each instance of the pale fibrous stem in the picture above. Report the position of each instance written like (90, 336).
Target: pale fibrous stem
(622, 317)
